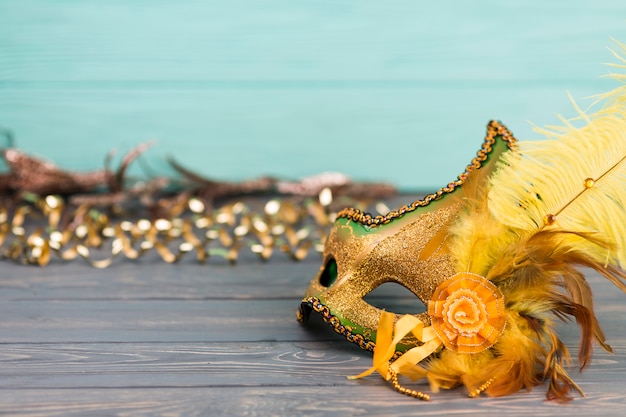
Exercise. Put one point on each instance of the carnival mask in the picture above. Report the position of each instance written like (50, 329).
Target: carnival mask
(407, 246)
(495, 257)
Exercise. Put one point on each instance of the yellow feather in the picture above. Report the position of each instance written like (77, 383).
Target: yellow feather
(476, 240)
(547, 178)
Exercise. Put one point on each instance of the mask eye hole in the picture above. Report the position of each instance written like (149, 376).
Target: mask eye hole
(329, 274)
(393, 297)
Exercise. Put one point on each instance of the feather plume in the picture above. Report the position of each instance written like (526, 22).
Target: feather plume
(552, 209)
(573, 181)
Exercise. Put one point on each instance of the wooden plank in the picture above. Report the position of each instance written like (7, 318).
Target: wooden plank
(153, 320)
(193, 364)
(408, 135)
(280, 40)
(249, 279)
(155, 279)
(189, 280)
(156, 320)
(129, 365)
(96, 318)
(274, 376)
(366, 399)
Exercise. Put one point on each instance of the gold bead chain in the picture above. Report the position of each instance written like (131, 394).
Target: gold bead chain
(406, 391)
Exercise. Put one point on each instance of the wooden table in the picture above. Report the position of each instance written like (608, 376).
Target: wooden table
(148, 338)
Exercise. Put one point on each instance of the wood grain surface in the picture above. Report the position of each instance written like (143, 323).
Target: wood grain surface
(145, 338)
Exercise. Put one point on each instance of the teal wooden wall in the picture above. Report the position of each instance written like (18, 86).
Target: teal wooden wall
(395, 90)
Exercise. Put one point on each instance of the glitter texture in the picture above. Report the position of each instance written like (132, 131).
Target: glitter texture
(389, 254)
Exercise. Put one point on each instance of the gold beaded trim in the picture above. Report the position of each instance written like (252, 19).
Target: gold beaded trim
(494, 129)
(346, 331)
(314, 303)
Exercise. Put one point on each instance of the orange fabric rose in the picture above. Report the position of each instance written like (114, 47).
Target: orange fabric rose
(467, 313)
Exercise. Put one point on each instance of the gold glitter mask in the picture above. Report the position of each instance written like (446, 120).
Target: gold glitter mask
(406, 246)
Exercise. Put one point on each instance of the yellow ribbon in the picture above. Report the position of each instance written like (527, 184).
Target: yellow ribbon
(389, 335)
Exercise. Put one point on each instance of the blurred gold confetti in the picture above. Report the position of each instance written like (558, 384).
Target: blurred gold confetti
(43, 228)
